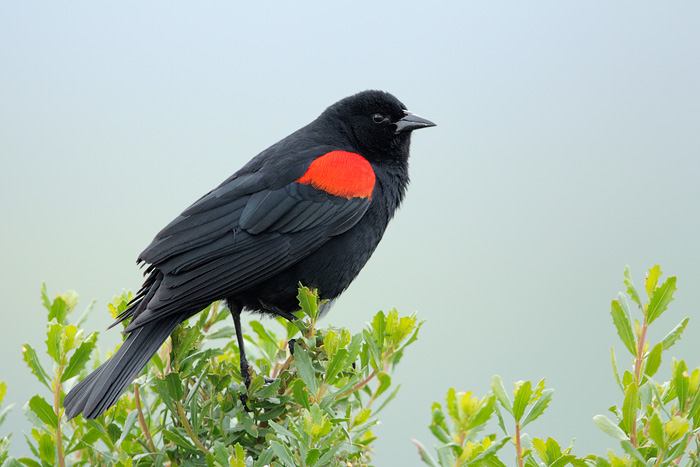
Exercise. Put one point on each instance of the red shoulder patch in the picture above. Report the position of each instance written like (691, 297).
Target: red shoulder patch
(341, 173)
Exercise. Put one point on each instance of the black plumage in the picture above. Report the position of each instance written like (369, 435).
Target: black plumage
(311, 209)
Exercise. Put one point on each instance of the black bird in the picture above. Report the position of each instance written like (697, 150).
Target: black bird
(311, 209)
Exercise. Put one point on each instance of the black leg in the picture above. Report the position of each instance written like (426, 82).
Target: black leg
(245, 368)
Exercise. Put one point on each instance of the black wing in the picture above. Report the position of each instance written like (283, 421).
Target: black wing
(236, 236)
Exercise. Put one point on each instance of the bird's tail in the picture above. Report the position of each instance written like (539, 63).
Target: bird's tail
(101, 389)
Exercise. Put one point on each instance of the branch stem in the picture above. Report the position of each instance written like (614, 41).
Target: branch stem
(188, 428)
(518, 445)
(638, 362)
(57, 409)
(142, 420)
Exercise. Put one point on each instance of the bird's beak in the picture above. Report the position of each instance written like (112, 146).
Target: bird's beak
(412, 122)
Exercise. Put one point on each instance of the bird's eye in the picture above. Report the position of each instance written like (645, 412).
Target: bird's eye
(378, 118)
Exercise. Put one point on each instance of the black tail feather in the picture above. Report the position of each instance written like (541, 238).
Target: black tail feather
(101, 389)
(139, 303)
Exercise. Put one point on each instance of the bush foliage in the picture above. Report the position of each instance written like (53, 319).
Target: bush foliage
(186, 407)
(325, 396)
(656, 423)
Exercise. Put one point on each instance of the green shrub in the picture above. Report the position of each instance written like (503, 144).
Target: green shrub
(657, 424)
(185, 408)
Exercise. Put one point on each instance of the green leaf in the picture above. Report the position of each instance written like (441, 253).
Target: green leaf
(622, 299)
(263, 333)
(652, 279)
(272, 414)
(660, 300)
(44, 411)
(308, 301)
(283, 453)
(128, 425)
(301, 394)
(623, 326)
(114, 432)
(391, 397)
(553, 450)
(91, 436)
(45, 297)
(169, 389)
(47, 448)
(499, 416)
(645, 394)
(174, 386)
(656, 431)
(694, 410)
(58, 310)
(629, 408)
(659, 398)
(539, 407)
(673, 336)
(53, 340)
(446, 455)
(500, 393)
(384, 383)
(484, 413)
(614, 367)
(540, 448)
(330, 454)
(565, 460)
(30, 358)
(265, 458)
(495, 447)
(682, 384)
(354, 349)
(424, 454)
(440, 433)
(179, 439)
(632, 451)
(653, 360)
(378, 332)
(605, 424)
(3, 415)
(336, 364)
(85, 314)
(677, 450)
(80, 357)
(12, 462)
(3, 391)
(522, 399)
(221, 453)
(631, 290)
(312, 456)
(305, 368)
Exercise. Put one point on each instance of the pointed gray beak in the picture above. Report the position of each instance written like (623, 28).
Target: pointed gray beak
(412, 122)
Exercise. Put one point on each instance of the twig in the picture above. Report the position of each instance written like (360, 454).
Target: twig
(142, 420)
(518, 445)
(57, 408)
(637, 378)
(188, 428)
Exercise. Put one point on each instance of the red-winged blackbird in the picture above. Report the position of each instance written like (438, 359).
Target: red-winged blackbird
(311, 209)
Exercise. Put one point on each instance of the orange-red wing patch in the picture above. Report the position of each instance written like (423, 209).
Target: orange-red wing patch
(341, 173)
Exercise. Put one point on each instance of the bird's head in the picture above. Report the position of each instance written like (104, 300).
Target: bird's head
(376, 123)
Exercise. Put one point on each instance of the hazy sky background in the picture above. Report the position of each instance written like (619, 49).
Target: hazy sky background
(567, 147)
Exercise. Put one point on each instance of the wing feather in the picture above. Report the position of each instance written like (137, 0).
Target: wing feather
(239, 234)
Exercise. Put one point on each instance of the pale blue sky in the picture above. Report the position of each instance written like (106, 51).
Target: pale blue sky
(567, 147)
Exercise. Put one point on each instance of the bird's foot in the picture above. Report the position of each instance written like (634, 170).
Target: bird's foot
(244, 401)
